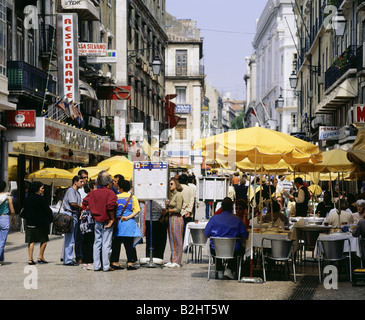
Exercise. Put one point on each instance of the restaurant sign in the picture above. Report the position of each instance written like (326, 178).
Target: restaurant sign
(183, 108)
(20, 119)
(68, 59)
(92, 49)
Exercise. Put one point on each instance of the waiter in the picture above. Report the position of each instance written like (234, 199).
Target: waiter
(301, 199)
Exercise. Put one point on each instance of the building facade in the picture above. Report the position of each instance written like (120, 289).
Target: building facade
(271, 64)
(185, 79)
(329, 70)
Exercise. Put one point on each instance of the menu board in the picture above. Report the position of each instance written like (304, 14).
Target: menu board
(211, 188)
(150, 180)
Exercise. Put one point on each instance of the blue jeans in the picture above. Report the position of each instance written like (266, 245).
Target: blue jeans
(70, 239)
(4, 230)
(103, 245)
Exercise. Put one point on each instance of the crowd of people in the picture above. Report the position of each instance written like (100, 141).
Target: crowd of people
(104, 215)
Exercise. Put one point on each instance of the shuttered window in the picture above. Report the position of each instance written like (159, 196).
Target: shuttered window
(181, 62)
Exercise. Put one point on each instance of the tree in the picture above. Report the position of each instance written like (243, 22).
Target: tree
(238, 122)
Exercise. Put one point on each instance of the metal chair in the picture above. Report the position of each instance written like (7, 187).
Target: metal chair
(281, 250)
(198, 240)
(307, 241)
(332, 250)
(224, 249)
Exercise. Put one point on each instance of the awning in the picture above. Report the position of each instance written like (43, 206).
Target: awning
(2, 128)
(338, 97)
(87, 91)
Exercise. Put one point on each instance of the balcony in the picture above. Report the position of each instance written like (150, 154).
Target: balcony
(47, 41)
(340, 65)
(85, 9)
(27, 80)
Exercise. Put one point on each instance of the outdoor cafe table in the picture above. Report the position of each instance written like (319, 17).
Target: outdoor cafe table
(354, 242)
(270, 234)
(193, 225)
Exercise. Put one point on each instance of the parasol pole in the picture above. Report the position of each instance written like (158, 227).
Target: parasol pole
(253, 212)
(334, 204)
(261, 206)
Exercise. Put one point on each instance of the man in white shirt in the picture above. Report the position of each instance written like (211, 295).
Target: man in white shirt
(336, 217)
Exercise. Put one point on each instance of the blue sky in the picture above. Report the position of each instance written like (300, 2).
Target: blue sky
(228, 28)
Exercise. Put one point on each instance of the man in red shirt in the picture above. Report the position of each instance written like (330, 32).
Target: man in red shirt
(102, 203)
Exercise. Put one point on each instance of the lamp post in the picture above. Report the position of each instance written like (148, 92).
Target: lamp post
(156, 66)
(339, 24)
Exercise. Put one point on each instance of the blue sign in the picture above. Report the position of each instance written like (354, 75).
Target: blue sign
(183, 108)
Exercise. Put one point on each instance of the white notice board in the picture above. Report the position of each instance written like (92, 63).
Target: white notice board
(211, 188)
(150, 180)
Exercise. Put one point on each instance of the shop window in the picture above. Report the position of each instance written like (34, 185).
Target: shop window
(181, 129)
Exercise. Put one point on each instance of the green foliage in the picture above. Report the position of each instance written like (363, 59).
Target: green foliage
(238, 122)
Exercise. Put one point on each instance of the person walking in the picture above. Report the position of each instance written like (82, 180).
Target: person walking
(72, 205)
(188, 203)
(6, 209)
(176, 224)
(38, 215)
(102, 203)
(127, 229)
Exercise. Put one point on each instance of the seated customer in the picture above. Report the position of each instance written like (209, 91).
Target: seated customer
(337, 217)
(359, 231)
(325, 206)
(226, 225)
(279, 218)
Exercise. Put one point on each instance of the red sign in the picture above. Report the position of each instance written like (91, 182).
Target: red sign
(20, 119)
(359, 114)
(114, 92)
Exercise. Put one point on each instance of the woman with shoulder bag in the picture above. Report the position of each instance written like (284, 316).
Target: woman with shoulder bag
(127, 229)
(176, 224)
(38, 216)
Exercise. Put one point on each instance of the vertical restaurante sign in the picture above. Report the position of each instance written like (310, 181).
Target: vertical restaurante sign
(68, 57)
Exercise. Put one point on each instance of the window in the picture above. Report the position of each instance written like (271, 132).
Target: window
(181, 95)
(181, 129)
(294, 120)
(181, 62)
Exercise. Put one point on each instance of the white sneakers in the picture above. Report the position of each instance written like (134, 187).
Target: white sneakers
(171, 265)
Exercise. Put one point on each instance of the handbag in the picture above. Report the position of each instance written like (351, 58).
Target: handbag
(62, 222)
(164, 219)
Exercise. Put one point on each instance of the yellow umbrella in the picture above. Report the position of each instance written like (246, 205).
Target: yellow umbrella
(333, 161)
(315, 189)
(357, 153)
(118, 165)
(255, 143)
(55, 176)
(247, 165)
(92, 171)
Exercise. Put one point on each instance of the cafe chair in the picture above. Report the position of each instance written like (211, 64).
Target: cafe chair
(224, 249)
(198, 239)
(332, 251)
(281, 250)
(307, 242)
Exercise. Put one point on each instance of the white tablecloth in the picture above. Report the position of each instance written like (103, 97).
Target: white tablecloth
(257, 238)
(193, 225)
(354, 243)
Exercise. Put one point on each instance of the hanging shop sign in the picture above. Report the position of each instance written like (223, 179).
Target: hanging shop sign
(114, 92)
(92, 49)
(119, 125)
(20, 119)
(329, 133)
(68, 59)
(109, 57)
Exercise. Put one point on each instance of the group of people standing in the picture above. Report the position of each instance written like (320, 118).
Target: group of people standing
(103, 214)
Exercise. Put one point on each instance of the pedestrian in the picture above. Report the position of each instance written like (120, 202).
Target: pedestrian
(192, 185)
(159, 230)
(127, 228)
(38, 216)
(176, 224)
(6, 209)
(87, 225)
(72, 205)
(102, 203)
(116, 179)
